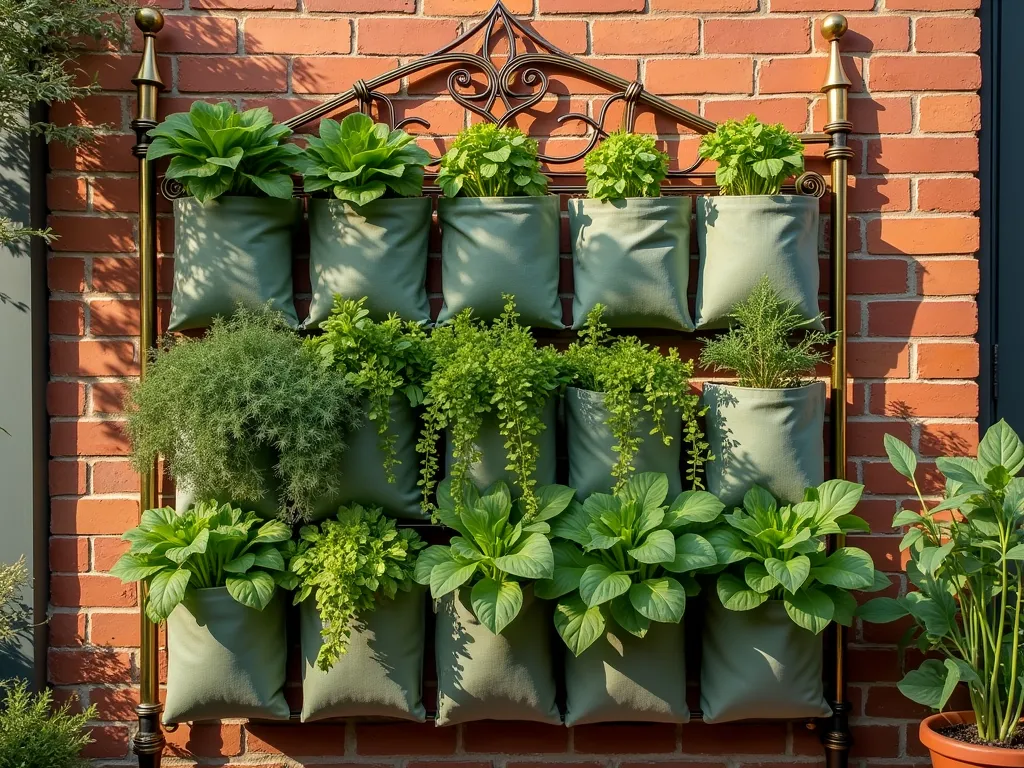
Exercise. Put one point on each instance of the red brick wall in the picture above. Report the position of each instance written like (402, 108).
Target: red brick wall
(913, 280)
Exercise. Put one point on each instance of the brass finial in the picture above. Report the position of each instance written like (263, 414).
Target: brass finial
(150, 20)
(834, 26)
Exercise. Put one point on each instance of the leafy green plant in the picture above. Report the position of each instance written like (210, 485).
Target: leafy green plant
(379, 360)
(361, 161)
(37, 733)
(778, 552)
(965, 555)
(216, 150)
(209, 545)
(625, 165)
(348, 564)
(753, 158)
(630, 556)
(209, 405)
(488, 161)
(498, 548)
(760, 348)
(480, 369)
(15, 616)
(636, 378)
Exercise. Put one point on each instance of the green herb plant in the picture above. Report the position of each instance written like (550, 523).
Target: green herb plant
(349, 564)
(36, 732)
(209, 545)
(625, 165)
(760, 347)
(498, 548)
(778, 552)
(636, 378)
(965, 564)
(628, 556)
(216, 150)
(753, 158)
(361, 161)
(379, 360)
(15, 615)
(488, 161)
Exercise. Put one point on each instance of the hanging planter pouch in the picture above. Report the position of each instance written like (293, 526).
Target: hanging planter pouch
(769, 437)
(225, 660)
(483, 676)
(744, 237)
(378, 250)
(381, 675)
(496, 245)
(228, 251)
(633, 257)
(758, 664)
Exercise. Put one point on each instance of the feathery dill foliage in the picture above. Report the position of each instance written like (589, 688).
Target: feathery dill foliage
(14, 615)
(351, 563)
(379, 360)
(209, 405)
(758, 347)
(625, 165)
(637, 378)
(34, 733)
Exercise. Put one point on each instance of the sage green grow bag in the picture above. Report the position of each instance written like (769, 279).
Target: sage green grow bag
(769, 437)
(746, 237)
(381, 675)
(590, 443)
(623, 678)
(633, 257)
(496, 245)
(494, 456)
(225, 660)
(267, 506)
(758, 664)
(483, 676)
(230, 251)
(378, 250)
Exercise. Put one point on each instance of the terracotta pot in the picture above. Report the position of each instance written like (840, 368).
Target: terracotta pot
(951, 753)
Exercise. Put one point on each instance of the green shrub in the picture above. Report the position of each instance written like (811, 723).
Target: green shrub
(753, 158)
(34, 733)
(488, 161)
(15, 617)
(625, 165)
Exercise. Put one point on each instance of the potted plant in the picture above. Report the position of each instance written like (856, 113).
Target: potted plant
(768, 428)
(495, 392)
(750, 229)
(494, 660)
(387, 363)
(214, 575)
(967, 600)
(631, 247)
(778, 590)
(247, 415)
(629, 408)
(624, 565)
(369, 224)
(362, 618)
(499, 227)
(233, 233)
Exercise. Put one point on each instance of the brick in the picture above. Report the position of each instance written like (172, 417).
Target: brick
(114, 477)
(879, 359)
(932, 5)
(958, 195)
(90, 110)
(684, 76)
(590, 6)
(913, 399)
(874, 740)
(331, 74)
(870, 33)
(874, 665)
(706, 6)
(624, 738)
(961, 34)
(69, 554)
(115, 195)
(791, 112)
(404, 739)
(114, 275)
(316, 35)
(66, 478)
(923, 236)
(107, 550)
(948, 361)
(763, 35)
(87, 438)
(823, 5)
(922, 318)
(65, 398)
(195, 34)
(65, 273)
(925, 73)
(867, 438)
(81, 233)
(360, 6)
(66, 318)
(93, 516)
(292, 740)
(943, 277)
(205, 740)
(106, 152)
(877, 276)
(514, 738)
(91, 590)
(569, 35)
(642, 36)
(887, 701)
(472, 7)
(114, 318)
(205, 74)
(107, 741)
(112, 71)
(114, 630)
(879, 194)
(93, 358)
(922, 155)
(64, 193)
(734, 738)
(114, 703)
(403, 36)
(803, 74)
(246, 5)
(949, 439)
(67, 630)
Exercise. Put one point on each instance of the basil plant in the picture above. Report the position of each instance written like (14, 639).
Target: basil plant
(496, 551)
(629, 556)
(965, 563)
(778, 551)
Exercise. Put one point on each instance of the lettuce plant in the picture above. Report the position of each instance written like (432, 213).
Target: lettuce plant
(216, 151)
(625, 165)
(488, 161)
(207, 546)
(361, 161)
(753, 158)
(349, 564)
(630, 556)
(497, 548)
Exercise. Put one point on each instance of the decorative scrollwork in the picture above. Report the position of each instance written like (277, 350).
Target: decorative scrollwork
(172, 189)
(811, 183)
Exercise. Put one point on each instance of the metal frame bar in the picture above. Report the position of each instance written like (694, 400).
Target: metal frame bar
(518, 84)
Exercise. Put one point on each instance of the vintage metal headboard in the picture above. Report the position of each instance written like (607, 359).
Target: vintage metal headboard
(498, 88)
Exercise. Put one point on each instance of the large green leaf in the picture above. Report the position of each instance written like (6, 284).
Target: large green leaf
(648, 489)
(196, 547)
(837, 498)
(132, 567)
(661, 599)
(572, 524)
(737, 596)
(791, 573)
(692, 507)
(658, 547)
(599, 584)
(882, 610)
(810, 608)
(496, 604)
(1000, 447)
(627, 617)
(901, 456)
(254, 589)
(552, 500)
(426, 561)
(447, 576)
(570, 564)
(692, 553)
(931, 684)
(166, 590)
(578, 625)
(847, 567)
(729, 546)
(531, 558)
(240, 564)
(758, 579)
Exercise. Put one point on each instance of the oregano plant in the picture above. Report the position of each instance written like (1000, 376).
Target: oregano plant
(753, 158)
(488, 161)
(625, 165)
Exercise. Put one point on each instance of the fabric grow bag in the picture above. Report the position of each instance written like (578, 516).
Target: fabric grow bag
(224, 659)
(378, 250)
(633, 257)
(770, 437)
(483, 676)
(623, 678)
(267, 506)
(745, 237)
(381, 675)
(759, 664)
(496, 245)
(228, 251)
(590, 442)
